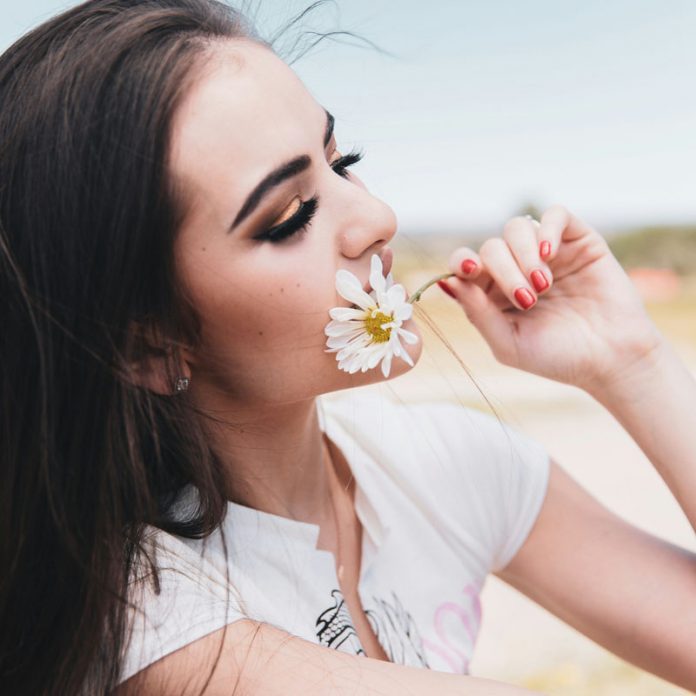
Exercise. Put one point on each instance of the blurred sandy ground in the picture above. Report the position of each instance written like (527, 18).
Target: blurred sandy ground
(519, 641)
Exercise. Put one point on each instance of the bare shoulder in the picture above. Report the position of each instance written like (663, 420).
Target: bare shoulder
(248, 658)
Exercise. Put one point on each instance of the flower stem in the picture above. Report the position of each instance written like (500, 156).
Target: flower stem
(416, 295)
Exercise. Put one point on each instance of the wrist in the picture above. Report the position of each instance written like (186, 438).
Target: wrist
(636, 373)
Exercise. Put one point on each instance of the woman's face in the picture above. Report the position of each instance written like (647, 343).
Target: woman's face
(264, 305)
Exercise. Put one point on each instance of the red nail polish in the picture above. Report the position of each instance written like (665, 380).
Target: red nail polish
(539, 281)
(446, 288)
(525, 298)
(468, 266)
(545, 249)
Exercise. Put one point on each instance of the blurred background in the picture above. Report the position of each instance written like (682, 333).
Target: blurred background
(471, 112)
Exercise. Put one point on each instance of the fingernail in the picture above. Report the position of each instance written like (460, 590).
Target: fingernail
(539, 281)
(468, 266)
(524, 297)
(545, 249)
(446, 288)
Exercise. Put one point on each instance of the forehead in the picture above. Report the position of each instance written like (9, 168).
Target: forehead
(246, 113)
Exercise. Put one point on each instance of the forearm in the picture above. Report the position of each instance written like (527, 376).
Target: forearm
(251, 658)
(655, 401)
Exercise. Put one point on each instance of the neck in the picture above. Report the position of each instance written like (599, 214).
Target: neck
(274, 458)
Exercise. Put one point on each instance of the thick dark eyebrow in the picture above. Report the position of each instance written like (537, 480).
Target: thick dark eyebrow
(279, 175)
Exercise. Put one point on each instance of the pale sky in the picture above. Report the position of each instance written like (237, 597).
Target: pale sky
(490, 104)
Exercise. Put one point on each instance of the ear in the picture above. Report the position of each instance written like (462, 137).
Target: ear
(155, 373)
(155, 364)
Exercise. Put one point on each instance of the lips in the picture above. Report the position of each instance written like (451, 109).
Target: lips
(387, 257)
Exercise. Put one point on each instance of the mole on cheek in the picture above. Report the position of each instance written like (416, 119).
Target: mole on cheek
(260, 333)
(282, 289)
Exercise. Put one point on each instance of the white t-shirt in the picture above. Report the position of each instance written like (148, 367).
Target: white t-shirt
(445, 495)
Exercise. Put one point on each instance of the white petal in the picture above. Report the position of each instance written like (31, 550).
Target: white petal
(346, 313)
(396, 295)
(355, 363)
(350, 288)
(394, 344)
(355, 346)
(376, 275)
(342, 366)
(377, 355)
(334, 341)
(408, 336)
(400, 350)
(347, 279)
(386, 365)
(345, 363)
(341, 328)
(403, 312)
(340, 341)
(405, 356)
(345, 353)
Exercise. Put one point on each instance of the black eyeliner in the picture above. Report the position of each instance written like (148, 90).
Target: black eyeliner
(292, 225)
(301, 219)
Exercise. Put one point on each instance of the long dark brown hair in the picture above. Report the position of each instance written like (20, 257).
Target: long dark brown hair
(89, 214)
(88, 217)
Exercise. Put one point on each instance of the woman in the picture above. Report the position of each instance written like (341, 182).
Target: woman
(174, 212)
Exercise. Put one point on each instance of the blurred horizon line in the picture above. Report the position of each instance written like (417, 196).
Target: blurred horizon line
(474, 231)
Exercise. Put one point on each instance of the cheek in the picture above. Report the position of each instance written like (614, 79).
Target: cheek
(295, 287)
(252, 307)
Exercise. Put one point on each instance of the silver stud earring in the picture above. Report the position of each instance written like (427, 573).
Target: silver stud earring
(182, 384)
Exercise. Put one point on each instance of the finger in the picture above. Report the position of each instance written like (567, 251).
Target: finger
(499, 262)
(520, 233)
(559, 224)
(482, 311)
(553, 222)
(465, 263)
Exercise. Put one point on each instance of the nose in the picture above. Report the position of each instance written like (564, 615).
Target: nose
(368, 223)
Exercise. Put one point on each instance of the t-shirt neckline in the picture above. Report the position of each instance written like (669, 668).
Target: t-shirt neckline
(374, 529)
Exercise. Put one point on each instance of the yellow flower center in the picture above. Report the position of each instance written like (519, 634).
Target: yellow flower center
(373, 325)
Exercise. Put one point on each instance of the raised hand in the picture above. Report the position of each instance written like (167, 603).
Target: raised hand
(550, 298)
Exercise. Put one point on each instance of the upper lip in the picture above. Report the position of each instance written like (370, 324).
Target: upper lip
(387, 257)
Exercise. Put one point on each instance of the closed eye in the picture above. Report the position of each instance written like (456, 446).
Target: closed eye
(299, 222)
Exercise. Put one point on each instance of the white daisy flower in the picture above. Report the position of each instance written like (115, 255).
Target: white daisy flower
(369, 332)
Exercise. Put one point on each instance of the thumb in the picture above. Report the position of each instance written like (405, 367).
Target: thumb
(489, 319)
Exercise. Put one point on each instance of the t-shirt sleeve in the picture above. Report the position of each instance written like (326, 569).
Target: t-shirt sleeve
(491, 478)
(195, 599)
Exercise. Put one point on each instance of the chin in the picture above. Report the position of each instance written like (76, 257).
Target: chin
(398, 366)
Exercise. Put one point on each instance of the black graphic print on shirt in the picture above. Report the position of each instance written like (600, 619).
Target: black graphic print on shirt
(334, 626)
(393, 626)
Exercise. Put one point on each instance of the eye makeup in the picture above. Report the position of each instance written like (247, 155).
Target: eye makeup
(299, 222)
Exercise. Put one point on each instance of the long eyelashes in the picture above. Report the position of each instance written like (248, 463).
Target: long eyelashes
(342, 163)
(299, 222)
